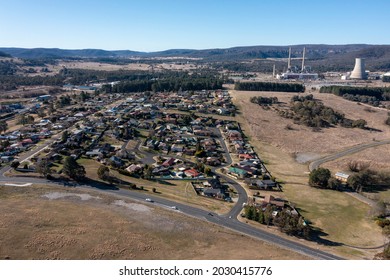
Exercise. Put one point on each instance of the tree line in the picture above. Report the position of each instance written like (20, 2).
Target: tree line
(166, 84)
(372, 96)
(264, 100)
(268, 86)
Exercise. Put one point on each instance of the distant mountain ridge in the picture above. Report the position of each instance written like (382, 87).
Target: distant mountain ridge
(377, 56)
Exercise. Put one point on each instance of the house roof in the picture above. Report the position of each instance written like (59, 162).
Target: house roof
(192, 172)
(238, 170)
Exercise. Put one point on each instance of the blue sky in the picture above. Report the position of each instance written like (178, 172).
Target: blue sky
(153, 25)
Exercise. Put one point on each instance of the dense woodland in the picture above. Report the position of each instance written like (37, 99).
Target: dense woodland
(267, 86)
(129, 81)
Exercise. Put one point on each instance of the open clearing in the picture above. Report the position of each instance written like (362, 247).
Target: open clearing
(43, 222)
(268, 126)
(343, 220)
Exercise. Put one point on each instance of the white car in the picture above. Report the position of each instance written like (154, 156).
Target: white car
(148, 200)
(174, 207)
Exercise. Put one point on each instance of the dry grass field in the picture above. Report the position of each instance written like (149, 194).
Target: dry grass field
(343, 220)
(43, 222)
(115, 67)
(268, 126)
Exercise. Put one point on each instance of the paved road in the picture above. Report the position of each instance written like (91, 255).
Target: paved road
(228, 221)
(194, 212)
(316, 163)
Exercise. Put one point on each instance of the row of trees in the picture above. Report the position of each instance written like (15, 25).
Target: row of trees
(373, 95)
(264, 100)
(167, 84)
(267, 86)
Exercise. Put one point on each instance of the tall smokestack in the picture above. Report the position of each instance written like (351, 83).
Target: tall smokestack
(359, 72)
(289, 59)
(303, 59)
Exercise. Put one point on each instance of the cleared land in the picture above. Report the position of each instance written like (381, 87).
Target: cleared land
(269, 127)
(55, 223)
(344, 221)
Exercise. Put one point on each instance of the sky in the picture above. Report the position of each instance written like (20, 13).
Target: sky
(156, 25)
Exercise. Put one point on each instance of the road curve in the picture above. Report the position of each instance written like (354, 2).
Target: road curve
(226, 221)
(316, 163)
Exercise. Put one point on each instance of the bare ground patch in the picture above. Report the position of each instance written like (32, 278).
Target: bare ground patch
(36, 227)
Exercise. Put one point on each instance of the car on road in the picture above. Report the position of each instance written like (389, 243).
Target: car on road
(149, 200)
(174, 208)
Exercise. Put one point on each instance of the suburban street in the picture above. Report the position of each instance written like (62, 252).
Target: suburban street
(228, 221)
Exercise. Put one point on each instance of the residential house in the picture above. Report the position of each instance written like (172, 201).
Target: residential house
(342, 177)
(169, 162)
(193, 173)
(262, 184)
(271, 200)
(238, 172)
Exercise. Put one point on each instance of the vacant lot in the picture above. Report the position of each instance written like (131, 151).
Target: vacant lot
(58, 223)
(268, 126)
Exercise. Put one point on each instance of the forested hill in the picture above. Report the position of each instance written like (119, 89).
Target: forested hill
(250, 52)
(3, 54)
(320, 57)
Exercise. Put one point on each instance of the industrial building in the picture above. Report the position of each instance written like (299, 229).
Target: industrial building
(293, 73)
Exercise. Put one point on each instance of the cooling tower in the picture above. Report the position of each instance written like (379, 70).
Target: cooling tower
(359, 72)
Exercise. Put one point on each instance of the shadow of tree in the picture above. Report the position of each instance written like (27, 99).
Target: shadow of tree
(317, 235)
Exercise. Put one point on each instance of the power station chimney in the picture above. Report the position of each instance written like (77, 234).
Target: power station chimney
(289, 59)
(303, 59)
(359, 72)
(273, 72)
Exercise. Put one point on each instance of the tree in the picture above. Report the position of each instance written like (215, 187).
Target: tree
(23, 119)
(73, 169)
(148, 172)
(3, 126)
(249, 212)
(386, 252)
(387, 121)
(43, 167)
(360, 123)
(103, 172)
(64, 136)
(319, 177)
(360, 180)
(207, 170)
(15, 164)
(333, 184)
